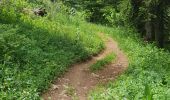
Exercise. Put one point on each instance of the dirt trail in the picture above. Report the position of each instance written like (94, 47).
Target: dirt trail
(79, 79)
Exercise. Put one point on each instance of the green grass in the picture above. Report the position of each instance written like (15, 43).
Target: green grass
(94, 93)
(36, 50)
(100, 64)
(149, 66)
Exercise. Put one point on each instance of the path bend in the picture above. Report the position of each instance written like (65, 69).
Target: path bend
(83, 80)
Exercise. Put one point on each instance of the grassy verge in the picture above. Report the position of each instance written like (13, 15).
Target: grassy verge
(34, 50)
(148, 75)
(100, 64)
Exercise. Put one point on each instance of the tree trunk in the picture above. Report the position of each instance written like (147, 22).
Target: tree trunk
(148, 29)
(159, 25)
(135, 18)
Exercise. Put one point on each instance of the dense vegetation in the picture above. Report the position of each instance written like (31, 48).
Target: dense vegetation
(34, 50)
(149, 17)
(148, 75)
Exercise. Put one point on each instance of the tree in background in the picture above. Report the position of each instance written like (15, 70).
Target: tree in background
(97, 11)
(150, 19)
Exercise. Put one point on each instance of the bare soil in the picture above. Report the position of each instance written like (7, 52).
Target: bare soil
(79, 80)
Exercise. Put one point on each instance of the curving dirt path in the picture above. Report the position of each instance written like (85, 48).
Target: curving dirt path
(79, 80)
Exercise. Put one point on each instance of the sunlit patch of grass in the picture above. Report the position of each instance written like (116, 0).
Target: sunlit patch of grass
(100, 64)
(100, 92)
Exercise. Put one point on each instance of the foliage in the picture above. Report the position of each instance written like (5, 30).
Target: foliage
(100, 64)
(149, 17)
(97, 11)
(34, 50)
(148, 73)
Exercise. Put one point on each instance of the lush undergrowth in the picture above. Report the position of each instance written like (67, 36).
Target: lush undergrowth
(34, 50)
(148, 75)
(100, 64)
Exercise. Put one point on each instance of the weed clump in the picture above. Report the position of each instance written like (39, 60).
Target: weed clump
(100, 64)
